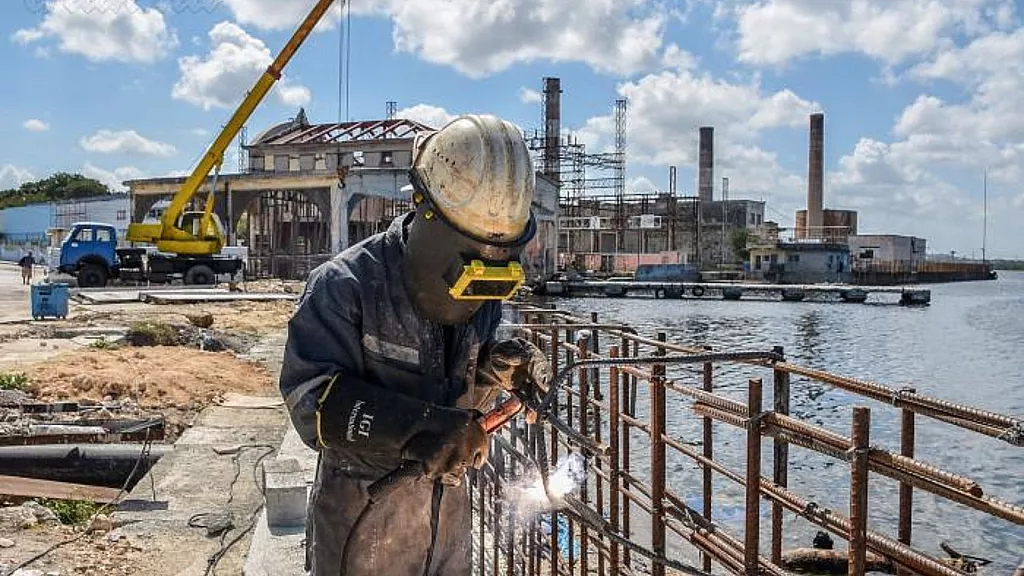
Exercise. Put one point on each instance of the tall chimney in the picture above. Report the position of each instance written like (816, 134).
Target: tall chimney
(552, 126)
(816, 178)
(706, 174)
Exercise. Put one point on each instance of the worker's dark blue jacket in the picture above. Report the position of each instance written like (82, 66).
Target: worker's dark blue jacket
(356, 319)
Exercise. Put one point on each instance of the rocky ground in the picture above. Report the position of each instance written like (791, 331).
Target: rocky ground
(174, 360)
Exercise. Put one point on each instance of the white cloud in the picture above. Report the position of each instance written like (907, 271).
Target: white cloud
(12, 176)
(200, 132)
(530, 96)
(35, 125)
(283, 14)
(222, 77)
(113, 179)
(122, 31)
(294, 95)
(480, 38)
(640, 185)
(666, 110)
(777, 31)
(675, 57)
(433, 116)
(125, 142)
(1018, 202)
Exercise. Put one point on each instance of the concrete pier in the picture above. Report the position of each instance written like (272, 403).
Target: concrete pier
(903, 295)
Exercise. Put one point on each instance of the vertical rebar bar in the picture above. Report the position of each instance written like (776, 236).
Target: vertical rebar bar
(709, 453)
(553, 539)
(780, 458)
(613, 456)
(658, 461)
(752, 532)
(584, 430)
(861, 435)
(627, 405)
(906, 490)
(595, 390)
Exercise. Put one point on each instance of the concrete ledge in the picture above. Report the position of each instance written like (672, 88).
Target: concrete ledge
(285, 493)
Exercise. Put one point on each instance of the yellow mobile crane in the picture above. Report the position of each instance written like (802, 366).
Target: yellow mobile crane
(201, 234)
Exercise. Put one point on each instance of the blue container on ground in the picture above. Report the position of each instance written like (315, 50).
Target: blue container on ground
(49, 300)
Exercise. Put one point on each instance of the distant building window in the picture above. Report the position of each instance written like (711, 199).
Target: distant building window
(320, 161)
(387, 159)
(293, 163)
(757, 262)
(268, 162)
(867, 255)
(122, 215)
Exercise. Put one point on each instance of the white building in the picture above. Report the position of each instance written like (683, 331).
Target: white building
(889, 250)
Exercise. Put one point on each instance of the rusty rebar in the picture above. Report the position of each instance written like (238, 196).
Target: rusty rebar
(861, 434)
(752, 530)
(780, 456)
(709, 452)
(584, 427)
(658, 461)
(1000, 426)
(614, 485)
(906, 502)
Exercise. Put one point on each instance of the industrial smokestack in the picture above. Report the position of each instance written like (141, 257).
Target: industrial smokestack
(706, 173)
(552, 126)
(816, 178)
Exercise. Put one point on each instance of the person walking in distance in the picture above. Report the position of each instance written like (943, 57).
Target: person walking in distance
(392, 355)
(26, 263)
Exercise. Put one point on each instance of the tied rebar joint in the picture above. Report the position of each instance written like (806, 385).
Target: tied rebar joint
(1014, 434)
(755, 422)
(899, 395)
(812, 511)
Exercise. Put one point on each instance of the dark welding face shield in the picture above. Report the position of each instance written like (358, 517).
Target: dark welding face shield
(450, 273)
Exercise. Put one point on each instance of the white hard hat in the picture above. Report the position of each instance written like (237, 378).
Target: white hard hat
(477, 172)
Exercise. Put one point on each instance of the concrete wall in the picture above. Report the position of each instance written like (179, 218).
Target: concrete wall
(888, 248)
(800, 265)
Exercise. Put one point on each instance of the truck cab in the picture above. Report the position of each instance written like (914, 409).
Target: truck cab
(89, 252)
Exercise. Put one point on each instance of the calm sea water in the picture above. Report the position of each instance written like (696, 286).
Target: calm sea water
(967, 347)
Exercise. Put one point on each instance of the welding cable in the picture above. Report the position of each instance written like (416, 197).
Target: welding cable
(563, 375)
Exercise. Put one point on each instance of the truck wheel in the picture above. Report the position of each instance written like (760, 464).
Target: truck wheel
(92, 276)
(199, 274)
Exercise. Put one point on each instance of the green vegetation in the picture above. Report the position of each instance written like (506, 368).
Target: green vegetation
(103, 344)
(153, 334)
(13, 381)
(60, 186)
(1007, 264)
(738, 242)
(71, 512)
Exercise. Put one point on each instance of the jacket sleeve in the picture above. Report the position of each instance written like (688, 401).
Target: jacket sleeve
(324, 342)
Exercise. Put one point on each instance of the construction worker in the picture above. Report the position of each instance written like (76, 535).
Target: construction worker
(392, 354)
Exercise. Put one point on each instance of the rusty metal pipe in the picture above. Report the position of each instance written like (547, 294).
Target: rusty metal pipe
(708, 452)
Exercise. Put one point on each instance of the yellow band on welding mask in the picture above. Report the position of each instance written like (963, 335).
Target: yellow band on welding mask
(479, 281)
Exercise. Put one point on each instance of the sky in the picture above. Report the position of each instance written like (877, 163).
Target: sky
(923, 99)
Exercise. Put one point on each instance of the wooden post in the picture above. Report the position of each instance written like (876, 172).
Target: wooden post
(752, 533)
(780, 458)
(859, 490)
(906, 490)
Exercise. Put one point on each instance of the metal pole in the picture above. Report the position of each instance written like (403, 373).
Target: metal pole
(906, 490)
(613, 455)
(752, 532)
(709, 453)
(780, 459)
(658, 461)
(859, 490)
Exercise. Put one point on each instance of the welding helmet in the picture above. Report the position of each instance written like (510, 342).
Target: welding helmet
(473, 187)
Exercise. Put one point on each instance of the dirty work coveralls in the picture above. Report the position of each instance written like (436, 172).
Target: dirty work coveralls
(355, 318)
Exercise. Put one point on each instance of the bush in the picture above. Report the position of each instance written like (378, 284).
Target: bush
(153, 334)
(103, 344)
(71, 512)
(13, 381)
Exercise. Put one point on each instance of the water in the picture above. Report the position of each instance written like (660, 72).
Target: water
(968, 347)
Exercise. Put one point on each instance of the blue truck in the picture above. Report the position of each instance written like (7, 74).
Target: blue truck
(90, 254)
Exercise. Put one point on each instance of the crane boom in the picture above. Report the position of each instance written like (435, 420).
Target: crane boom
(166, 234)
